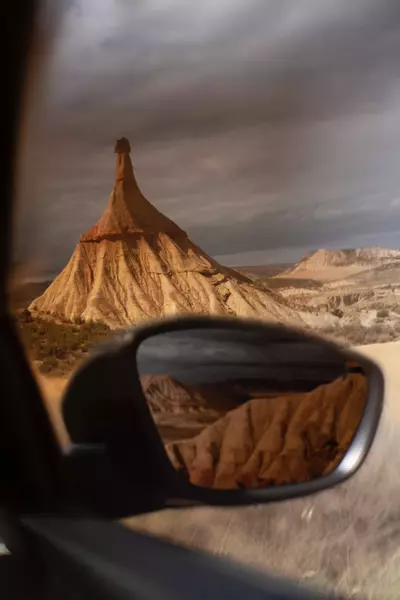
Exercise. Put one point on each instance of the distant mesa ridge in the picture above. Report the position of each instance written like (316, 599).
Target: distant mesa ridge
(136, 264)
(321, 259)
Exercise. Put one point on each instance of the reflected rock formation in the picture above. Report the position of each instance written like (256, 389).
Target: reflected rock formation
(276, 441)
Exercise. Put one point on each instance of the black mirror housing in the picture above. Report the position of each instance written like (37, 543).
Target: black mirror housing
(105, 407)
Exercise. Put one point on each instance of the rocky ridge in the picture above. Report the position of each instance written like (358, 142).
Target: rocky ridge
(357, 257)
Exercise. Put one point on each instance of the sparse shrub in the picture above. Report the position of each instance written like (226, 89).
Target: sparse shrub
(337, 312)
(382, 313)
(59, 347)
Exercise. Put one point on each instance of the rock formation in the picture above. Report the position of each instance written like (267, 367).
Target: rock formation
(165, 395)
(182, 411)
(287, 439)
(136, 264)
(363, 257)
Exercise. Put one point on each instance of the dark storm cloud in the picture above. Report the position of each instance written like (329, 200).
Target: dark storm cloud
(260, 62)
(267, 236)
(249, 119)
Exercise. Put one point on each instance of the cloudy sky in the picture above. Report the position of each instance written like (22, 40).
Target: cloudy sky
(265, 128)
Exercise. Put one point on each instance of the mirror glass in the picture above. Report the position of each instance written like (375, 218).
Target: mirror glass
(239, 408)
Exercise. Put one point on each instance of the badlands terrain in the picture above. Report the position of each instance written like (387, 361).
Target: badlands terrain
(136, 264)
(361, 288)
(352, 296)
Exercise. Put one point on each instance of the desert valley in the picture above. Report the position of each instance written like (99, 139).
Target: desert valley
(353, 294)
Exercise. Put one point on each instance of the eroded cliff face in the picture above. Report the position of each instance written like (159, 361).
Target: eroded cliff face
(275, 441)
(136, 264)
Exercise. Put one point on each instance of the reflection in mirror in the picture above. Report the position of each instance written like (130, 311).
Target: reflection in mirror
(240, 409)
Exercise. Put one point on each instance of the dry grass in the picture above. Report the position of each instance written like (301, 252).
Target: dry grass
(346, 539)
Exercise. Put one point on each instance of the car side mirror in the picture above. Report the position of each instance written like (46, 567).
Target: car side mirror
(226, 411)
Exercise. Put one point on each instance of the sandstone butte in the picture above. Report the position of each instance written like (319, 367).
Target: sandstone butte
(136, 264)
(287, 439)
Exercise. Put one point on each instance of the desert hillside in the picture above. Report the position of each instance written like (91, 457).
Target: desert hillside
(329, 265)
(359, 289)
(360, 307)
(363, 257)
(136, 264)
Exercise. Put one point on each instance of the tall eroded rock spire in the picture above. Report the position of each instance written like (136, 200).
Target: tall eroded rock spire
(128, 211)
(136, 264)
(123, 168)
